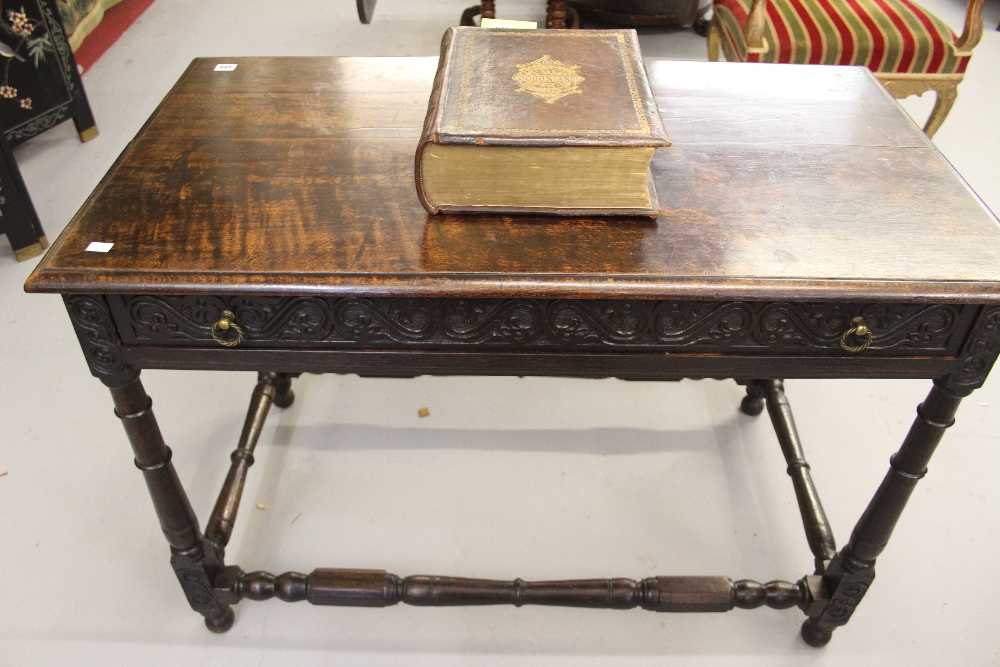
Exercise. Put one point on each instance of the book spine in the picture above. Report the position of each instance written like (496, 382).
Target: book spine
(432, 121)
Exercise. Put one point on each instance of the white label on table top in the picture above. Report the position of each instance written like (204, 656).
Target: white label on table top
(99, 246)
(225, 67)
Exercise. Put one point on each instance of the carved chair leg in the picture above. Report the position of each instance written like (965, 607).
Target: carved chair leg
(945, 99)
(195, 561)
(946, 92)
(852, 571)
(469, 16)
(714, 40)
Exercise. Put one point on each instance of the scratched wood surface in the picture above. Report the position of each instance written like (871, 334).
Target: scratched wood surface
(295, 176)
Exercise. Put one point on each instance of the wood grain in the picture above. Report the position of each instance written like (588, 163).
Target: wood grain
(294, 176)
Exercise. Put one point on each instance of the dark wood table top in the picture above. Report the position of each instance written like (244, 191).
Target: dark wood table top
(295, 176)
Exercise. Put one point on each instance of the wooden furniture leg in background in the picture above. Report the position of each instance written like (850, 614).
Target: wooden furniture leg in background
(559, 16)
(485, 10)
(366, 9)
(555, 15)
(18, 219)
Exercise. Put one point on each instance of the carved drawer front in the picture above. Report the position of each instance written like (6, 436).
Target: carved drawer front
(681, 326)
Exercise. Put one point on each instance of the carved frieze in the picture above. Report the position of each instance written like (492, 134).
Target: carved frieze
(95, 328)
(980, 351)
(744, 327)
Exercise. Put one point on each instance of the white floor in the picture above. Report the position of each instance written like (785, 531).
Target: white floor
(537, 478)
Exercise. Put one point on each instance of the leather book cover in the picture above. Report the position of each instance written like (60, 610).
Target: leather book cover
(540, 89)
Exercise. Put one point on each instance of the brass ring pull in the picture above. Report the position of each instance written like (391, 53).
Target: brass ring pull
(226, 323)
(861, 330)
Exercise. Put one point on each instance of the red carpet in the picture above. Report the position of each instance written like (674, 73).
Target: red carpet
(116, 21)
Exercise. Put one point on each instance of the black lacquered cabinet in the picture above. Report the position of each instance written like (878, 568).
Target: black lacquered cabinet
(40, 87)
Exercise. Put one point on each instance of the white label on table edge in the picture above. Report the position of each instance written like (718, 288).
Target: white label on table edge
(225, 67)
(99, 246)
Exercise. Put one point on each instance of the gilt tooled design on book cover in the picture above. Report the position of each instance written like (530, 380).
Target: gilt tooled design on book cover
(487, 95)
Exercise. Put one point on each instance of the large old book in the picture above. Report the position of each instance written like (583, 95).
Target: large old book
(547, 121)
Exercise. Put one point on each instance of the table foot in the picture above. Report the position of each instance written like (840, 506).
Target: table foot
(283, 394)
(222, 623)
(753, 403)
(814, 634)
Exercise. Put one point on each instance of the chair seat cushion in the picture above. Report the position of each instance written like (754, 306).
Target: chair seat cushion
(882, 35)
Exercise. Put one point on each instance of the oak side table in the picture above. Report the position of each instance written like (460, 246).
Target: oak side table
(265, 219)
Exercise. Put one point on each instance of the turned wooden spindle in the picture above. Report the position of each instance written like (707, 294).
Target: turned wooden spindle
(377, 588)
(220, 525)
(771, 393)
(194, 561)
(556, 14)
(819, 534)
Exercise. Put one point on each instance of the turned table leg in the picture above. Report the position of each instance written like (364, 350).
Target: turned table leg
(195, 561)
(556, 14)
(852, 571)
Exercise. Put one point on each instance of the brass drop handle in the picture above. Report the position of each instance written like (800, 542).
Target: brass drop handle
(861, 330)
(226, 323)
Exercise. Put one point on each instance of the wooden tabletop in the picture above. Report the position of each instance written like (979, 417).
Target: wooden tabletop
(295, 176)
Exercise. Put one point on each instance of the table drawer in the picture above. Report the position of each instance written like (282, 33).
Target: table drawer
(540, 324)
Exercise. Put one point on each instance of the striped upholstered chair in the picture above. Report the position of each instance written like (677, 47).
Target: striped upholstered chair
(909, 49)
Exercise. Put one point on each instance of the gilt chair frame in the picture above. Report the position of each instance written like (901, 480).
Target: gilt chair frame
(899, 84)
